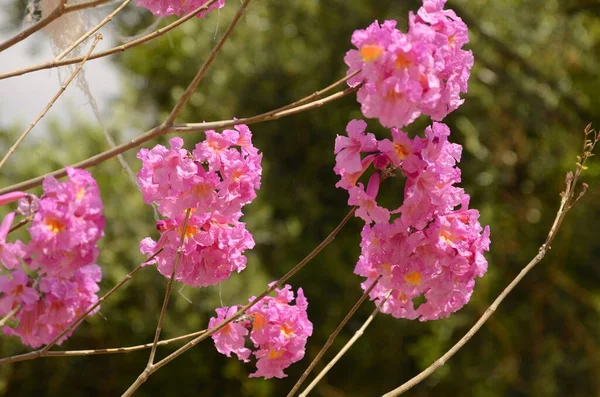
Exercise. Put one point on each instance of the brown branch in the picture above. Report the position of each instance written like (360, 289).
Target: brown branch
(151, 369)
(60, 10)
(43, 352)
(179, 128)
(112, 350)
(567, 201)
(93, 30)
(9, 315)
(51, 103)
(163, 310)
(200, 75)
(114, 50)
(346, 347)
(332, 337)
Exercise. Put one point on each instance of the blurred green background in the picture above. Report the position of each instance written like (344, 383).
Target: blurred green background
(533, 89)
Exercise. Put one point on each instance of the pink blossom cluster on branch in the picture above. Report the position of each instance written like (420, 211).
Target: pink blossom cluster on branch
(434, 246)
(277, 330)
(428, 251)
(404, 75)
(164, 8)
(215, 181)
(53, 278)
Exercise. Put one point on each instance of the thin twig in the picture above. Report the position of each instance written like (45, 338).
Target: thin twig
(200, 75)
(42, 352)
(90, 309)
(165, 304)
(151, 369)
(112, 350)
(9, 315)
(114, 50)
(92, 31)
(346, 347)
(179, 128)
(332, 337)
(60, 9)
(119, 350)
(567, 201)
(51, 103)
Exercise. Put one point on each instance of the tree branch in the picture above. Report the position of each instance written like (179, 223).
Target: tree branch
(567, 201)
(155, 367)
(346, 347)
(332, 337)
(51, 103)
(114, 50)
(179, 128)
(55, 14)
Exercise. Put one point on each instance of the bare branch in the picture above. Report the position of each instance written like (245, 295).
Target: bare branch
(165, 304)
(114, 50)
(9, 315)
(200, 75)
(92, 31)
(55, 14)
(346, 347)
(567, 201)
(51, 103)
(332, 337)
(151, 369)
(179, 128)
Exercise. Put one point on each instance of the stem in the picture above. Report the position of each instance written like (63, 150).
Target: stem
(332, 337)
(163, 310)
(113, 350)
(200, 75)
(346, 347)
(90, 309)
(114, 50)
(181, 128)
(155, 367)
(44, 351)
(55, 14)
(51, 103)
(92, 31)
(9, 315)
(568, 199)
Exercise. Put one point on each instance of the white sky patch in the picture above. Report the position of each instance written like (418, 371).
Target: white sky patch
(22, 98)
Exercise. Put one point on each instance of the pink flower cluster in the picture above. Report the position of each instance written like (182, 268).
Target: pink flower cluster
(406, 74)
(215, 181)
(53, 279)
(277, 330)
(164, 8)
(434, 248)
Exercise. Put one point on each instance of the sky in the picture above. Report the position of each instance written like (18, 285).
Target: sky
(22, 98)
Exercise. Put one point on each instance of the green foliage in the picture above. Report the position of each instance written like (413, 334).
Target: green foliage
(533, 89)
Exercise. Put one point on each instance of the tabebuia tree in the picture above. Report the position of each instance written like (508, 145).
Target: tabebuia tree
(420, 255)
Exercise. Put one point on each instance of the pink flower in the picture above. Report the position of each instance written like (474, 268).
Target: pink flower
(164, 8)
(348, 149)
(214, 181)
(16, 291)
(407, 74)
(67, 225)
(368, 209)
(63, 301)
(279, 332)
(10, 253)
(232, 337)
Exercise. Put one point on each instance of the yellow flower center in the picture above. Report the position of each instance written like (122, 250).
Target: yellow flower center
(370, 52)
(413, 278)
(401, 151)
(54, 225)
(402, 62)
(259, 322)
